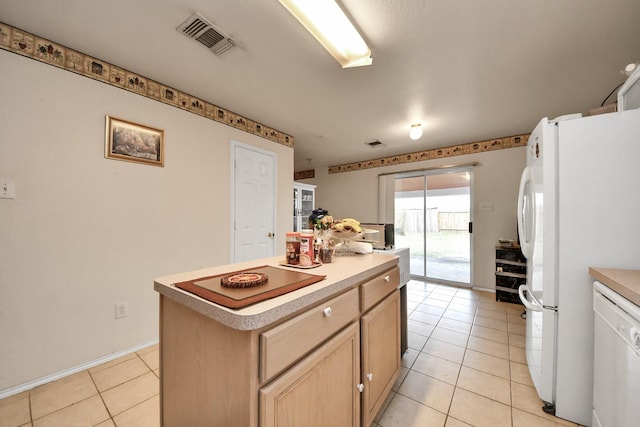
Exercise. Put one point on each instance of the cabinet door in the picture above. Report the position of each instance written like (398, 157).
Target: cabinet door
(320, 391)
(380, 354)
(303, 204)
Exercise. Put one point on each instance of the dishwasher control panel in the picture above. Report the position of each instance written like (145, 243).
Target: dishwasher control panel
(618, 312)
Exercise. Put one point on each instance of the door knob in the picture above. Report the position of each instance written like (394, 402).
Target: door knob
(270, 235)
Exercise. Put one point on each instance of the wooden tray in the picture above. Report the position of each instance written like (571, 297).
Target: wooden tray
(281, 281)
(303, 267)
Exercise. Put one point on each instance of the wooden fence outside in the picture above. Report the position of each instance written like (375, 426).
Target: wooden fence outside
(411, 221)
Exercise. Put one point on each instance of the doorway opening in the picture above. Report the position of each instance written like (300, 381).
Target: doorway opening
(433, 219)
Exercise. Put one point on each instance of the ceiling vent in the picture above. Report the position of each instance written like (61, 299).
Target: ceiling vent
(202, 30)
(374, 144)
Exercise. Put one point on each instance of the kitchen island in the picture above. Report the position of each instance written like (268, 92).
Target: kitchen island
(325, 354)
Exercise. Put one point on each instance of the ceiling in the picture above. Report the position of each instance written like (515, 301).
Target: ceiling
(468, 70)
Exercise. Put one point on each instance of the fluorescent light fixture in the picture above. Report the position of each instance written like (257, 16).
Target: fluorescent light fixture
(416, 131)
(331, 27)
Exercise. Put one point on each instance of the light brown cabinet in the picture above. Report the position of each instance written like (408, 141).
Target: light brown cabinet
(349, 377)
(332, 363)
(320, 391)
(380, 356)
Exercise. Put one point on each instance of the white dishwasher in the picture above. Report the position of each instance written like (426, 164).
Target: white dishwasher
(616, 379)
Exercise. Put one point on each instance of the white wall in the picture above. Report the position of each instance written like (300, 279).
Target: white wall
(495, 179)
(85, 232)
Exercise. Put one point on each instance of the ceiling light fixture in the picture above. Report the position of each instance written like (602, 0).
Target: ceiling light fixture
(416, 131)
(630, 68)
(331, 27)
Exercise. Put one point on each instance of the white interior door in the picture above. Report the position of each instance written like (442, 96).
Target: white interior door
(253, 202)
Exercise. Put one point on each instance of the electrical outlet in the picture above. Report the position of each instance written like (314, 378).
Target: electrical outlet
(122, 310)
(7, 189)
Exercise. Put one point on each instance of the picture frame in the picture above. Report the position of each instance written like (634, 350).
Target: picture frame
(133, 142)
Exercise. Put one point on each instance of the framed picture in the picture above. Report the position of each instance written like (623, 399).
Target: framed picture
(133, 142)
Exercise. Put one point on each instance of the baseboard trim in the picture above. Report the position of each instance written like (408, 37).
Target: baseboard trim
(73, 370)
(478, 288)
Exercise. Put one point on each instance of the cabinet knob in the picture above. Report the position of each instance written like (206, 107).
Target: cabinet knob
(387, 278)
(370, 376)
(360, 387)
(327, 312)
(271, 235)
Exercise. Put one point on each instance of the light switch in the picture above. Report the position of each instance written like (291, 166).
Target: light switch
(486, 206)
(7, 189)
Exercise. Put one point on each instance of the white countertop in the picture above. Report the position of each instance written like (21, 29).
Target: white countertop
(341, 274)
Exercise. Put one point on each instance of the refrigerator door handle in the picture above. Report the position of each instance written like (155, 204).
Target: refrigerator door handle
(530, 305)
(526, 213)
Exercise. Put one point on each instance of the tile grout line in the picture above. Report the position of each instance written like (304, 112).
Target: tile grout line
(30, 408)
(455, 387)
(112, 416)
(101, 397)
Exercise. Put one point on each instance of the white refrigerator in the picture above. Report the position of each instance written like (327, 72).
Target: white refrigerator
(579, 206)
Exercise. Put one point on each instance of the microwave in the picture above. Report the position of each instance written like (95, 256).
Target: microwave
(383, 239)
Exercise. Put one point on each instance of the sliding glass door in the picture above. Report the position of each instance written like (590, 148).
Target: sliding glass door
(432, 219)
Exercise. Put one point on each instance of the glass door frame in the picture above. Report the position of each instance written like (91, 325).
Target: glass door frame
(442, 171)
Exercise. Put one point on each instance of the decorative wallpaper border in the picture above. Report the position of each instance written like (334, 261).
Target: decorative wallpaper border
(436, 153)
(311, 173)
(26, 44)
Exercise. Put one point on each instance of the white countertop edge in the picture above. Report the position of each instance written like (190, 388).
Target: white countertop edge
(264, 313)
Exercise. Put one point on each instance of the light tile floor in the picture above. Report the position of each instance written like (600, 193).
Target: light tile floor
(123, 392)
(465, 367)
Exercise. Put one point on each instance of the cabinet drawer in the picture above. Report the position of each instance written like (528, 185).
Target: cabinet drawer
(321, 390)
(379, 287)
(510, 268)
(510, 280)
(286, 343)
(510, 255)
